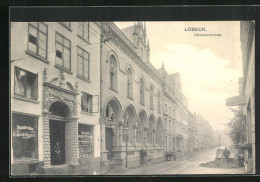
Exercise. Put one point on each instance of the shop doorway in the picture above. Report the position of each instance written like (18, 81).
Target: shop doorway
(109, 142)
(57, 142)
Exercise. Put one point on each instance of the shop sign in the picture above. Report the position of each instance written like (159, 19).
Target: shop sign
(25, 132)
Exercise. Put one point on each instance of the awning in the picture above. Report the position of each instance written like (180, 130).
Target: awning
(247, 146)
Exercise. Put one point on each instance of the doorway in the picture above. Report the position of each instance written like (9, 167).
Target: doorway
(109, 142)
(57, 142)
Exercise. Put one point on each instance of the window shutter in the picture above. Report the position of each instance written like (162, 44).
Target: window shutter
(95, 104)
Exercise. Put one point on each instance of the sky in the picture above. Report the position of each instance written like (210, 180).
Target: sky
(209, 66)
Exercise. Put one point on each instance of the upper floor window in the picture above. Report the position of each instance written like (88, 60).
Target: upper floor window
(113, 72)
(141, 91)
(129, 83)
(63, 48)
(83, 63)
(165, 108)
(66, 24)
(151, 97)
(25, 84)
(37, 39)
(83, 30)
(86, 102)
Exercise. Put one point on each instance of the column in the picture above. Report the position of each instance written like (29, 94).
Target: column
(71, 142)
(46, 140)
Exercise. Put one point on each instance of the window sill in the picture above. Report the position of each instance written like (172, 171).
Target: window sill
(62, 68)
(17, 161)
(87, 41)
(113, 90)
(130, 98)
(66, 26)
(36, 56)
(26, 99)
(142, 104)
(83, 78)
(87, 113)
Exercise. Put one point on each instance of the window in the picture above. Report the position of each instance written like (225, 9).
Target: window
(85, 139)
(83, 63)
(129, 84)
(113, 73)
(142, 91)
(151, 97)
(37, 39)
(159, 102)
(139, 131)
(66, 24)
(24, 137)
(83, 30)
(63, 48)
(165, 108)
(25, 84)
(165, 124)
(86, 102)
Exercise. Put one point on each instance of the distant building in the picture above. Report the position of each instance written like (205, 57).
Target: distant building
(192, 133)
(205, 133)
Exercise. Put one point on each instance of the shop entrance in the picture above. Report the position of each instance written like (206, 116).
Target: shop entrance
(57, 142)
(109, 142)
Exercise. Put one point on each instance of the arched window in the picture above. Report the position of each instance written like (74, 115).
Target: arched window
(113, 72)
(129, 83)
(151, 97)
(142, 91)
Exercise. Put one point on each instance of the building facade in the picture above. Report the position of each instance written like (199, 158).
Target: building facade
(247, 38)
(192, 133)
(131, 95)
(54, 100)
(205, 133)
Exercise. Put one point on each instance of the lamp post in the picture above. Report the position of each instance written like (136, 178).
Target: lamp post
(125, 130)
(219, 141)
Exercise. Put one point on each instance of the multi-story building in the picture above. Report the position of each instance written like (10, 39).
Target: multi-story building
(130, 95)
(54, 94)
(205, 133)
(192, 133)
(247, 38)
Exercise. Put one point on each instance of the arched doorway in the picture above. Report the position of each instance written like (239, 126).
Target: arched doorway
(130, 121)
(113, 114)
(141, 129)
(59, 112)
(151, 130)
(159, 132)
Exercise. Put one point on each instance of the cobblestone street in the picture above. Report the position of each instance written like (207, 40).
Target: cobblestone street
(183, 165)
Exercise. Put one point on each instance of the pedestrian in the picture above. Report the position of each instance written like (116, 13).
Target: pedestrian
(226, 154)
(142, 155)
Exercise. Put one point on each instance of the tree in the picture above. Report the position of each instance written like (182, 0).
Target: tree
(236, 126)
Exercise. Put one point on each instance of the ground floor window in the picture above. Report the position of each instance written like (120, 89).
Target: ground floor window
(86, 143)
(24, 137)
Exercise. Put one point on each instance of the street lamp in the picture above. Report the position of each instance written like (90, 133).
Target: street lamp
(125, 130)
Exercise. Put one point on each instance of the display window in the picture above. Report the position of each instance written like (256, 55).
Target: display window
(24, 137)
(85, 137)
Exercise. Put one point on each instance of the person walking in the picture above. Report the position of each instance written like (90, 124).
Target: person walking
(226, 154)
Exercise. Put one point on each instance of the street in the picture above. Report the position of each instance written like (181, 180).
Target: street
(187, 165)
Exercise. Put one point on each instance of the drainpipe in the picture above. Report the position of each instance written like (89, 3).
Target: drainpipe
(101, 111)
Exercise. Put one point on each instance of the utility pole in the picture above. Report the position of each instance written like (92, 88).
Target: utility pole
(219, 141)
